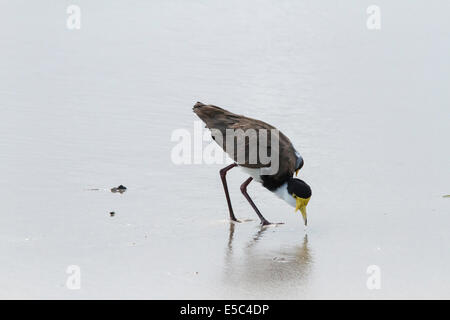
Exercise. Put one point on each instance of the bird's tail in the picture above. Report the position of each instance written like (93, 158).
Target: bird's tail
(209, 113)
(209, 108)
(198, 105)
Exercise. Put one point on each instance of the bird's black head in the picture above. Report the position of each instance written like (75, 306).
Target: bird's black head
(299, 188)
(301, 192)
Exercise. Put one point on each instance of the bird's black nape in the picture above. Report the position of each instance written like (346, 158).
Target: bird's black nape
(300, 165)
(299, 188)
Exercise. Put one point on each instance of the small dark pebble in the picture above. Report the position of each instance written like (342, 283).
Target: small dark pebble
(120, 189)
(278, 259)
(112, 213)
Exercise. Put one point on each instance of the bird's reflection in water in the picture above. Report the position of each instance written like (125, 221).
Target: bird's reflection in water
(260, 268)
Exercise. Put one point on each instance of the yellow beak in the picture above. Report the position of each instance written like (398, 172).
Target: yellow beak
(301, 205)
(305, 218)
(296, 172)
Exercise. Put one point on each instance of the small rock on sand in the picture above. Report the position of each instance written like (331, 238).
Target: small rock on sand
(120, 189)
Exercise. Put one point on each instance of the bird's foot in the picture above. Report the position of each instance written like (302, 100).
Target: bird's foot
(266, 223)
(240, 220)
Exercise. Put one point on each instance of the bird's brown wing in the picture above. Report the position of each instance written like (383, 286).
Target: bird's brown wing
(220, 119)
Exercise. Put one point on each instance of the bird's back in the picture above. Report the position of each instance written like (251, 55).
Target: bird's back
(220, 119)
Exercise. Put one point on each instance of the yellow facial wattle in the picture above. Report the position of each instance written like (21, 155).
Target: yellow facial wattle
(301, 204)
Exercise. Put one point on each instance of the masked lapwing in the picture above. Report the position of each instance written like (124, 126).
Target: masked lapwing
(281, 182)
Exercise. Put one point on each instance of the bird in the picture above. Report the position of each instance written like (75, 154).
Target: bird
(282, 183)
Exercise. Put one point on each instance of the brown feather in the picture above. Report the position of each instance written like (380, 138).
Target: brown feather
(220, 119)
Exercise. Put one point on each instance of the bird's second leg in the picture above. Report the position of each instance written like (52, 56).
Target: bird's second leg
(223, 174)
(264, 222)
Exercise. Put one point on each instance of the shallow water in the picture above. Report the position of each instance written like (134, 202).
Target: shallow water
(94, 108)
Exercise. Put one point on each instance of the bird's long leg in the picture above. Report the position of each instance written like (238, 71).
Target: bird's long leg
(264, 222)
(223, 174)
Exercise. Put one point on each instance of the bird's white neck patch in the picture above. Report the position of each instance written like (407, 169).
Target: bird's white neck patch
(282, 193)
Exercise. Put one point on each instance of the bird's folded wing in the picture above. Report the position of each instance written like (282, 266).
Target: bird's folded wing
(250, 135)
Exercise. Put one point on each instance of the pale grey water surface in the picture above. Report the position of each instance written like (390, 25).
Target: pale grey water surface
(96, 107)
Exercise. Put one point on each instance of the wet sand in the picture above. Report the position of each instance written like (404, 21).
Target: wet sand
(87, 110)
